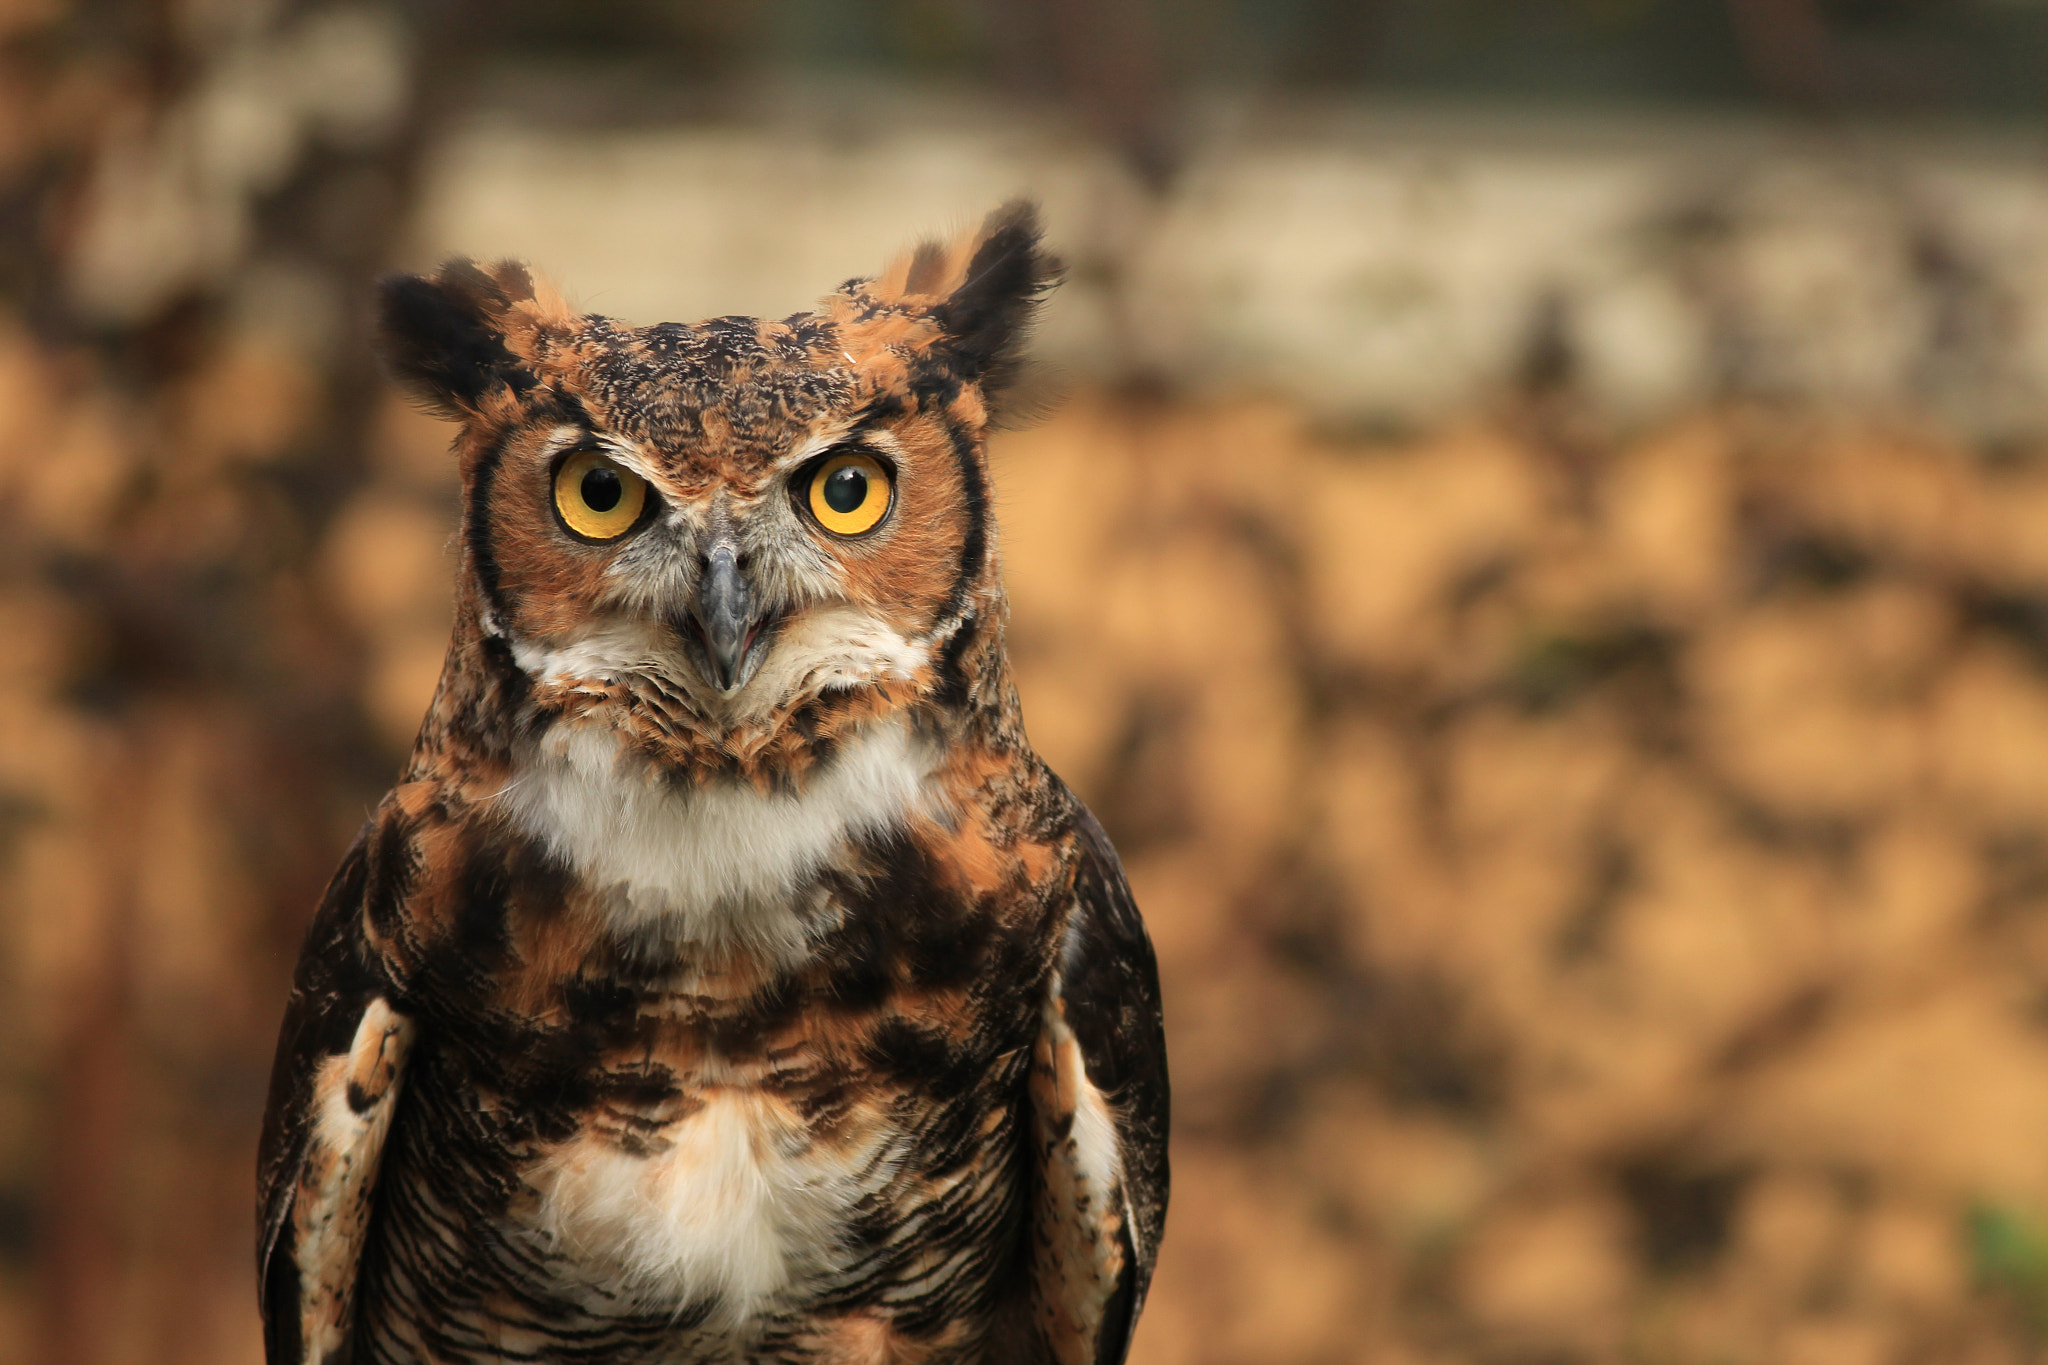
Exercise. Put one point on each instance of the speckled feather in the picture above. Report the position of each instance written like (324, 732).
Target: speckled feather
(645, 1022)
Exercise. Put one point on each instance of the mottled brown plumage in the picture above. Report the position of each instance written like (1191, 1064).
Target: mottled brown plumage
(726, 979)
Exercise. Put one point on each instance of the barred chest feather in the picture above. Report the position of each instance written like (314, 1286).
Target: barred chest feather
(748, 1180)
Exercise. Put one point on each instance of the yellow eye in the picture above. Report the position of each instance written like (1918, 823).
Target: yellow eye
(849, 493)
(599, 499)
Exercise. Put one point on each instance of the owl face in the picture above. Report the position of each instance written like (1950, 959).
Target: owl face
(737, 526)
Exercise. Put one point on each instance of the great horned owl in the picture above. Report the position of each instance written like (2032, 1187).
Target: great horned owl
(726, 979)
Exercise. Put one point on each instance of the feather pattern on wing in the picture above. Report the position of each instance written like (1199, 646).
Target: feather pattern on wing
(335, 1088)
(1099, 1118)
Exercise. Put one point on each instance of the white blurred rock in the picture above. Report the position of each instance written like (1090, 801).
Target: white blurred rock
(1382, 263)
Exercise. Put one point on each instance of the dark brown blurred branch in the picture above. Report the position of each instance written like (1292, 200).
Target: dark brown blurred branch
(84, 1207)
(1105, 57)
(1786, 46)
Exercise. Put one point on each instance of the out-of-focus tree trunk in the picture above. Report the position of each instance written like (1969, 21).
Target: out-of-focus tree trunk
(82, 1249)
(193, 200)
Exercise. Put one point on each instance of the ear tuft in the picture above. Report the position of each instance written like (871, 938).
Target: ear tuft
(988, 315)
(443, 337)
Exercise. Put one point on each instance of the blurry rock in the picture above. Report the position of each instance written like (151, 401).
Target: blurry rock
(1372, 805)
(1251, 1273)
(410, 448)
(1242, 1042)
(2017, 550)
(197, 906)
(387, 561)
(1067, 491)
(245, 407)
(1789, 1231)
(1592, 1076)
(1414, 1179)
(1549, 780)
(1794, 704)
(63, 464)
(1922, 877)
(1077, 702)
(1393, 536)
(405, 665)
(1550, 1274)
(1717, 930)
(1988, 726)
(1064, 491)
(1194, 927)
(1918, 498)
(1948, 1093)
(1833, 1340)
(1911, 1254)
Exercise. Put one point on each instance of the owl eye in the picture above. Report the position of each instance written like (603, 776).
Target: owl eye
(598, 498)
(849, 493)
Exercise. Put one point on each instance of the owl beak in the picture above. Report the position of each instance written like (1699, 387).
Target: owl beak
(725, 631)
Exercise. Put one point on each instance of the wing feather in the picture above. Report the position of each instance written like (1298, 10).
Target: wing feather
(1099, 1119)
(333, 1090)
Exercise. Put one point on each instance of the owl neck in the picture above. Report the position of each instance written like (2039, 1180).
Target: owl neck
(488, 711)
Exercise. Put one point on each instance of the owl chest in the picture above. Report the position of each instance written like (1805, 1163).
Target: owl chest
(750, 1186)
(745, 1141)
(714, 1188)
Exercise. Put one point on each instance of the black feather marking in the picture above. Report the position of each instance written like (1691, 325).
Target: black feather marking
(1113, 1333)
(337, 977)
(476, 528)
(952, 677)
(278, 1297)
(394, 867)
(988, 317)
(442, 338)
(1109, 985)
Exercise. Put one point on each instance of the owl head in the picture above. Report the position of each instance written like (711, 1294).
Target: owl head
(734, 541)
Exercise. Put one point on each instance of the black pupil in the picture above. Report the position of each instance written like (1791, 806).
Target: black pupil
(602, 490)
(846, 489)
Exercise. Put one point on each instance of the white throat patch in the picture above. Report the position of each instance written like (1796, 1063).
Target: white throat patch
(721, 864)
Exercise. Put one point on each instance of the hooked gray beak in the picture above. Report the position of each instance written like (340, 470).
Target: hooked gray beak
(726, 634)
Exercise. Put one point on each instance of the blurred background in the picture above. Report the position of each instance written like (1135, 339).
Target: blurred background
(1541, 564)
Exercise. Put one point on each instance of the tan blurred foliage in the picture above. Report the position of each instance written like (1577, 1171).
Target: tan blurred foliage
(192, 199)
(1599, 882)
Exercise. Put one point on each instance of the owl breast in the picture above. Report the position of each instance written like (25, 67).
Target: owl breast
(734, 1203)
(737, 1145)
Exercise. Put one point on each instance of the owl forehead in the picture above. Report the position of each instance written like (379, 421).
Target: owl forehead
(724, 398)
